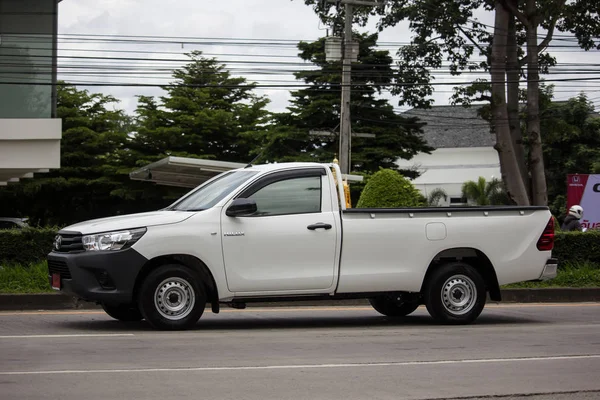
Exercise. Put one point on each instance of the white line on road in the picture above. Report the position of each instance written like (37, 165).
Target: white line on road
(306, 366)
(66, 336)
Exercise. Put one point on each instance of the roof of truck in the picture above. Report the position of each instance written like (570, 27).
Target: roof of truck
(191, 172)
(283, 165)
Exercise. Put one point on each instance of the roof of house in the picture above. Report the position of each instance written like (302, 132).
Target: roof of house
(454, 126)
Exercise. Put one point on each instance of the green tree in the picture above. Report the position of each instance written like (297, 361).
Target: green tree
(205, 113)
(317, 108)
(571, 145)
(485, 193)
(389, 189)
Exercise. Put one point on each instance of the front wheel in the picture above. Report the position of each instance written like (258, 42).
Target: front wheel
(123, 312)
(455, 294)
(172, 297)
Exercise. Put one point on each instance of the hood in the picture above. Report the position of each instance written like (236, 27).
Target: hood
(129, 221)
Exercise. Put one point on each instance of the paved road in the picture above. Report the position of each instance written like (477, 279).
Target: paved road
(305, 353)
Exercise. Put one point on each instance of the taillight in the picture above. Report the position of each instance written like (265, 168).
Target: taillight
(546, 241)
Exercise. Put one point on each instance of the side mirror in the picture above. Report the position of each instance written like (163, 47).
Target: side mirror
(241, 207)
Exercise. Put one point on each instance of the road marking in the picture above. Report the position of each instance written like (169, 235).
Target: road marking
(307, 308)
(66, 336)
(305, 366)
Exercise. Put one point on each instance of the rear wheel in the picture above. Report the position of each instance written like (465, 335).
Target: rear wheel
(123, 312)
(172, 297)
(455, 294)
(395, 305)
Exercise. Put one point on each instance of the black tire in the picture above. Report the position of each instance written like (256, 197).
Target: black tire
(172, 297)
(394, 306)
(455, 294)
(123, 312)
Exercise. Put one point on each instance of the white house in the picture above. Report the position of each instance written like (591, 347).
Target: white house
(30, 133)
(464, 151)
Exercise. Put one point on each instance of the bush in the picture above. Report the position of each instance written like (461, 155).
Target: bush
(25, 246)
(388, 189)
(577, 246)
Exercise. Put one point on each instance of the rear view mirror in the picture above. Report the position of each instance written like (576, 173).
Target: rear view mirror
(240, 207)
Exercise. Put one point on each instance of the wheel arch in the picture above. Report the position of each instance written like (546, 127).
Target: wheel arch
(188, 261)
(472, 256)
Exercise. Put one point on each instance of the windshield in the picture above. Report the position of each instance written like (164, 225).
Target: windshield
(213, 192)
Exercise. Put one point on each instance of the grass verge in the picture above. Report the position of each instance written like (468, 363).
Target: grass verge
(33, 278)
(570, 275)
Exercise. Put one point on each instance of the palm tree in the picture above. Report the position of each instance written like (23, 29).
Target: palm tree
(485, 193)
(435, 196)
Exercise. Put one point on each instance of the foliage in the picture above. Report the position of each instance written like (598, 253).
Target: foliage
(388, 189)
(435, 196)
(317, 108)
(485, 193)
(31, 278)
(577, 246)
(24, 246)
(205, 113)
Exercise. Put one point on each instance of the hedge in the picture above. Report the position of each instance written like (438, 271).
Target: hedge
(577, 246)
(30, 245)
(25, 246)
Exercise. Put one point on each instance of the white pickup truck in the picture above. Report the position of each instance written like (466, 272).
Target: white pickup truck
(281, 232)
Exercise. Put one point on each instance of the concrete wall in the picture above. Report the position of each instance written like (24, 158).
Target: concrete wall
(29, 134)
(28, 146)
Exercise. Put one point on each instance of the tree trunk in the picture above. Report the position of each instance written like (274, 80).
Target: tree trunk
(538, 175)
(513, 76)
(504, 145)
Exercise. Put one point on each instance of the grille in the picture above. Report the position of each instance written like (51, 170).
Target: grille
(70, 243)
(59, 267)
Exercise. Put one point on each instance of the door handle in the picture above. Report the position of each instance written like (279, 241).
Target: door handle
(319, 225)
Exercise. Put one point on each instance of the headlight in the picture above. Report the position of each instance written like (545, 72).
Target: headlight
(112, 240)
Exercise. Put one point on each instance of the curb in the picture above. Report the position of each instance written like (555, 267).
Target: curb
(59, 301)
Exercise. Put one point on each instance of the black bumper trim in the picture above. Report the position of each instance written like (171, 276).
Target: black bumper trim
(87, 270)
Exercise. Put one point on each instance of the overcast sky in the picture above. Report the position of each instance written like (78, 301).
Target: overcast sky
(271, 20)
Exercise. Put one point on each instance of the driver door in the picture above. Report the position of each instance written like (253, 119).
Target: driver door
(289, 243)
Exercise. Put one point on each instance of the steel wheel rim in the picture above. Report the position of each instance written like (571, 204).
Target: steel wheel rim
(174, 298)
(459, 294)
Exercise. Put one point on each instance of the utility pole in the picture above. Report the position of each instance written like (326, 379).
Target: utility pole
(348, 56)
(345, 123)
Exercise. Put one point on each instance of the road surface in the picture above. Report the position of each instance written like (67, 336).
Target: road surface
(552, 350)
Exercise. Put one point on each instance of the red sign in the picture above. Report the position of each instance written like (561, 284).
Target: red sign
(584, 190)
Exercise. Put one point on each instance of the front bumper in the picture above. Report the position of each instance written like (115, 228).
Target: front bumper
(103, 276)
(550, 270)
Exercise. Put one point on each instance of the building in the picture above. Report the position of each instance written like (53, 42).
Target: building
(30, 133)
(464, 151)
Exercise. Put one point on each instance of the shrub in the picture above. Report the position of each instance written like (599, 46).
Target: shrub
(25, 246)
(388, 189)
(577, 246)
